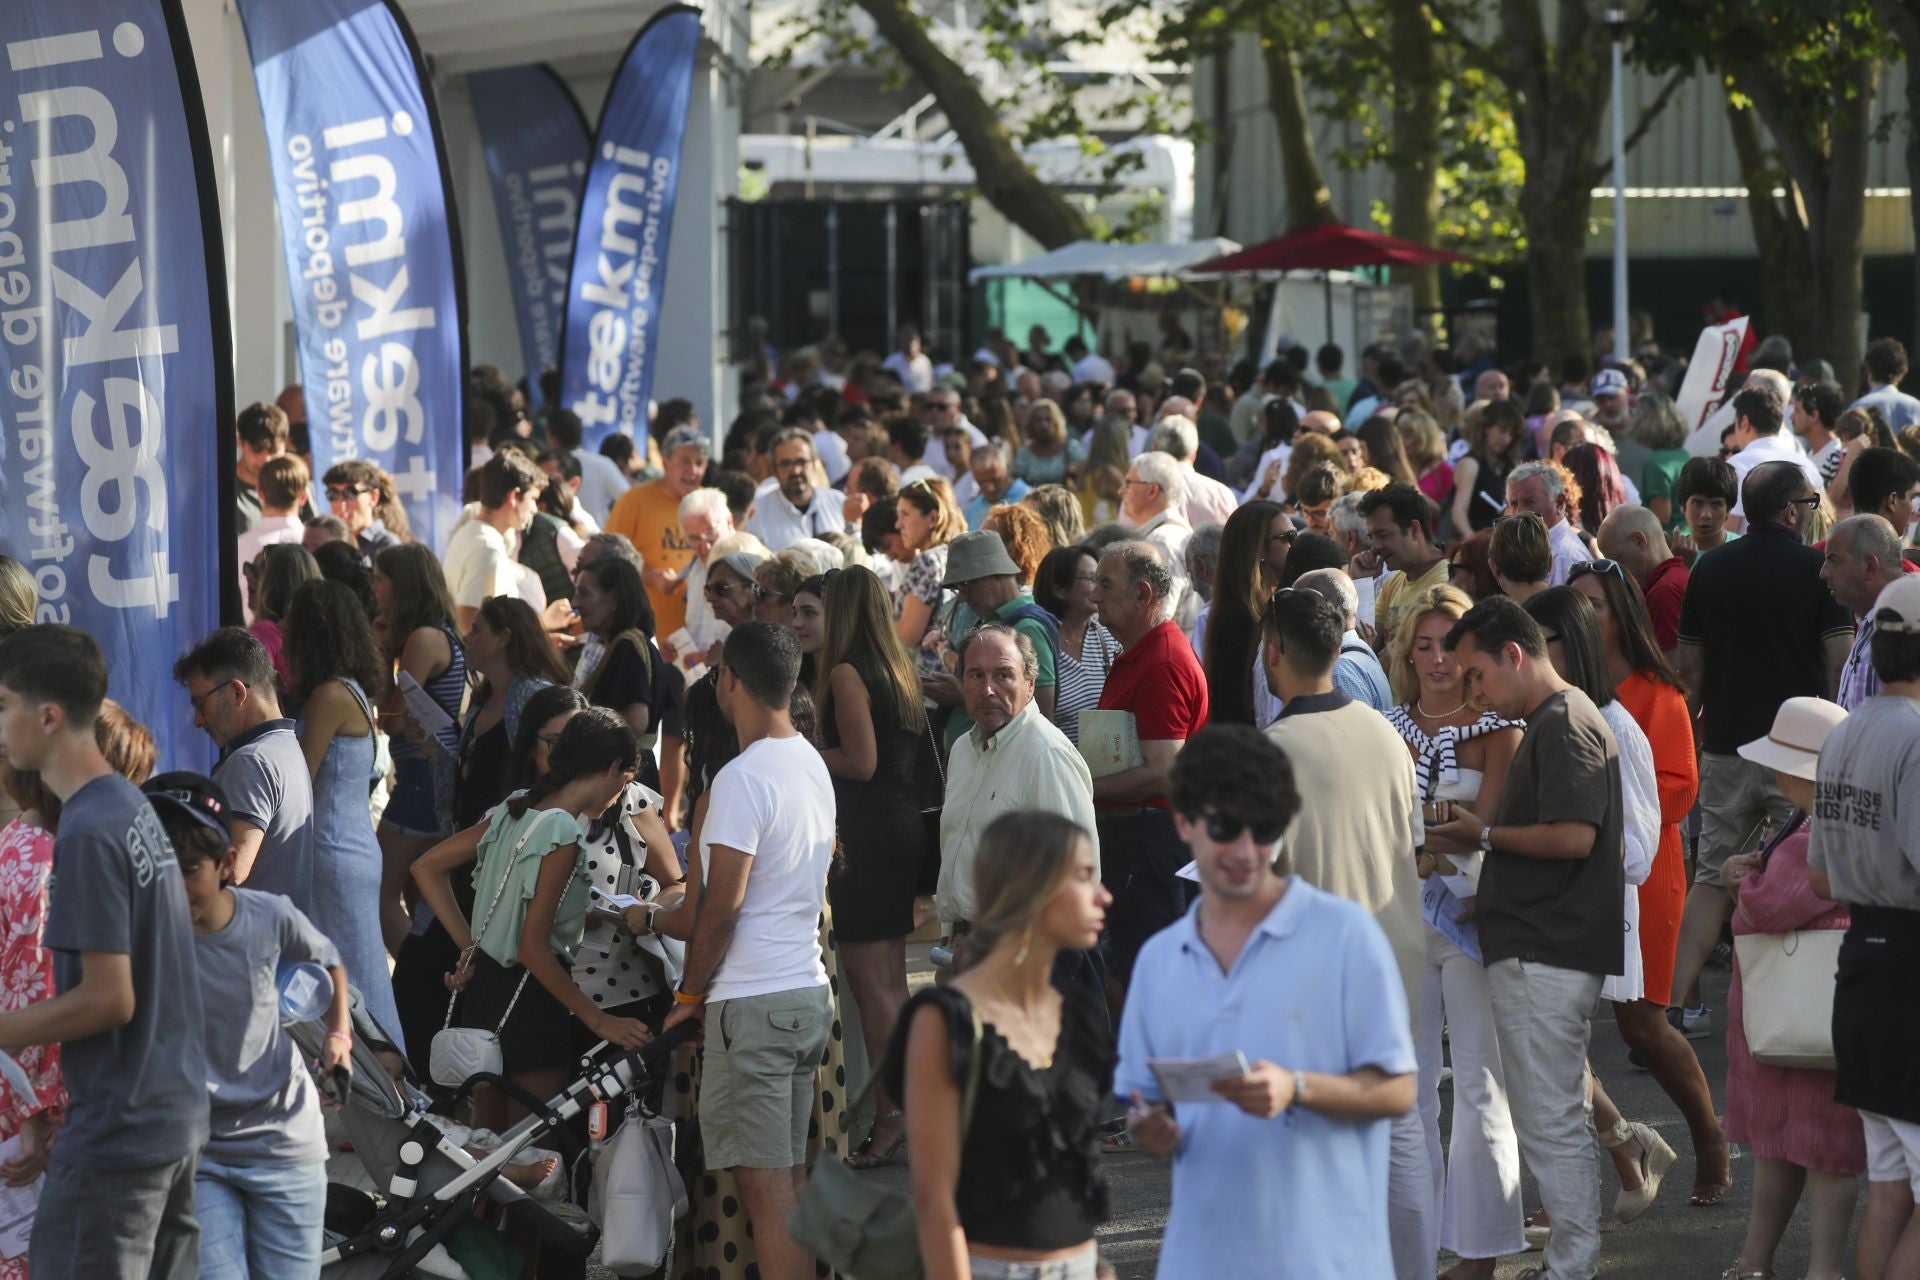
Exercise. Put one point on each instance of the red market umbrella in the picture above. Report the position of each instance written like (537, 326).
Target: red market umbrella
(1331, 246)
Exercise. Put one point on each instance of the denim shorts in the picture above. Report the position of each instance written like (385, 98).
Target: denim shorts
(757, 1077)
(410, 809)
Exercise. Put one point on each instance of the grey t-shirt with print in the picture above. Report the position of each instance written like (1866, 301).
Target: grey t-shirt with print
(1866, 814)
(266, 1110)
(264, 777)
(137, 1093)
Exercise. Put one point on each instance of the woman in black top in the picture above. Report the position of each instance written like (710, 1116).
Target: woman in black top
(871, 721)
(1496, 438)
(1019, 1180)
(612, 601)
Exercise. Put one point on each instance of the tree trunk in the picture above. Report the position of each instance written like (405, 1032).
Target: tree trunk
(1903, 20)
(1309, 203)
(1559, 92)
(1004, 178)
(1827, 160)
(1416, 144)
(1786, 263)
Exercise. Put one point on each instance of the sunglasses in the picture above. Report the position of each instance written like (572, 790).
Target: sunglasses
(1287, 536)
(338, 494)
(1226, 830)
(1600, 566)
(1811, 501)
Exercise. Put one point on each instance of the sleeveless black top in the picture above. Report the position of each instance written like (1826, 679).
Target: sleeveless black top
(1030, 1166)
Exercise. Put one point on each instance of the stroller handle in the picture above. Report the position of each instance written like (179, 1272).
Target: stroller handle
(615, 1076)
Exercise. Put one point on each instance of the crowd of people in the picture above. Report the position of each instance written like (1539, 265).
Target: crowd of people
(1271, 748)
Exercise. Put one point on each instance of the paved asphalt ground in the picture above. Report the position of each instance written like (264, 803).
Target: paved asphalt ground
(1672, 1241)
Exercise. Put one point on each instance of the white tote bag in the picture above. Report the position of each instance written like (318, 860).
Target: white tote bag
(1786, 990)
(637, 1194)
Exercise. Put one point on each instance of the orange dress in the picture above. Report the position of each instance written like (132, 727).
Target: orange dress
(1661, 712)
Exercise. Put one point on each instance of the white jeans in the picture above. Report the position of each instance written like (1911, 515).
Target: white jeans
(1541, 1015)
(1412, 1224)
(1477, 1182)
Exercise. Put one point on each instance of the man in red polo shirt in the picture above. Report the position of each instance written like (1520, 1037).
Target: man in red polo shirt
(1159, 683)
(1632, 537)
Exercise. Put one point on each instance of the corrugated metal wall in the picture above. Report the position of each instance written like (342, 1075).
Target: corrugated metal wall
(1683, 181)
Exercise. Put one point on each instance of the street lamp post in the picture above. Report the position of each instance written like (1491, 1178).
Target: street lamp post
(1616, 20)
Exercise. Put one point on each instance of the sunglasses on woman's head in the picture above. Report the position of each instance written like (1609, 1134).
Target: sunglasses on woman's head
(1597, 567)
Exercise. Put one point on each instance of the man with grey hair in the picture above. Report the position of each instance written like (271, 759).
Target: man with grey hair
(705, 519)
(796, 509)
(1012, 758)
(649, 516)
(1203, 559)
(1159, 692)
(992, 467)
(1346, 526)
(1152, 502)
(1862, 558)
(1537, 489)
(1208, 501)
(1356, 672)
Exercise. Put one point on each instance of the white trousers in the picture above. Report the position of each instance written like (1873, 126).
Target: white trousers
(1477, 1181)
(1542, 1018)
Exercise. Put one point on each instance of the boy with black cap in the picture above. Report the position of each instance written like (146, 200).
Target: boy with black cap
(261, 1188)
(117, 1198)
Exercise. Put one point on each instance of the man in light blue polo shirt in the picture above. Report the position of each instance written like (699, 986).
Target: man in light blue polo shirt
(1285, 1176)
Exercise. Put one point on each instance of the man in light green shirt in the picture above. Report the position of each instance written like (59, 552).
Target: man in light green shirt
(1012, 758)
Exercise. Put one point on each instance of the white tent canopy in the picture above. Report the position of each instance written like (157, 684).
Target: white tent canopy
(1109, 261)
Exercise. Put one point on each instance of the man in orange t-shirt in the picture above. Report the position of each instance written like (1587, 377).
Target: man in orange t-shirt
(649, 515)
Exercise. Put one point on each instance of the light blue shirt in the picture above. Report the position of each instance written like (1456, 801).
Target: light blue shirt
(1359, 674)
(1302, 1196)
(1895, 405)
(977, 509)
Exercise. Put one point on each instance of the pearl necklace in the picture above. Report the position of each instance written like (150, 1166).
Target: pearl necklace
(1420, 705)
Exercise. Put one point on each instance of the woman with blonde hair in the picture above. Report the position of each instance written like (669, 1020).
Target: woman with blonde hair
(1426, 450)
(927, 519)
(1050, 455)
(19, 598)
(1025, 535)
(1461, 755)
(1021, 1183)
(1658, 427)
(871, 723)
(1104, 471)
(415, 621)
(1057, 506)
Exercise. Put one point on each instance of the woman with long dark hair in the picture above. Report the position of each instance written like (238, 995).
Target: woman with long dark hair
(274, 575)
(1021, 1182)
(339, 673)
(1496, 437)
(1063, 586)
(1384, 452)
(1256, 534)
(510, 657)
(1601, 489)
(611, 598)
(415, 623)
(871, 722)
(1649, 688)
(530, 895)
(1640, 1156)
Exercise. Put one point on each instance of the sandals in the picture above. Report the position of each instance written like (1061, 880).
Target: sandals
(865, 1157)
(1706, 1195)
(1656, 1157)
(1117, 1143)
(1735, 1273)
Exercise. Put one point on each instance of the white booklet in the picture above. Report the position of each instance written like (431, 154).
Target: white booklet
(430, 716)
(17, 1207)
(1191, 1079)
(1110, 742)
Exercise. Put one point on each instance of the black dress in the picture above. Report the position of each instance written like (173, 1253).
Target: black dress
(1030, 1161)
(626, 676)
(882, 838)
(1489, 494)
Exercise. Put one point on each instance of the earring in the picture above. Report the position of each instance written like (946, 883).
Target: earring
(1026, 945)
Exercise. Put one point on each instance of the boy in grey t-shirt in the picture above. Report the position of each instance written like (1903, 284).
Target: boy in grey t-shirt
(261, 1187)
(117, 1197)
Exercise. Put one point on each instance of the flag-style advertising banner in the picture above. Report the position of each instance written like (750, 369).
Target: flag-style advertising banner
(116, 356)
(537, 143)
(373, 252)
(615, 288)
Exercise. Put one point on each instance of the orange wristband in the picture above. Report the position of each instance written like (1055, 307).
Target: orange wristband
(687, 997)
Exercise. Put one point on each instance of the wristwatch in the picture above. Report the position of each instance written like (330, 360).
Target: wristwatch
(1299, 1089)
(1486, 839)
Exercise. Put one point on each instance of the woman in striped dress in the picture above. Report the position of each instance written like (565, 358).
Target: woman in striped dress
(1063, 586)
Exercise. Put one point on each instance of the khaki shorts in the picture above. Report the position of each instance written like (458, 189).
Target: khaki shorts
(757, 1077)
(1736, 795)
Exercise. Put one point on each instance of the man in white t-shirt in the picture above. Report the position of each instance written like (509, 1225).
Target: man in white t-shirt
(480, 555)
(1760, 435)
(753, 972)
(910, 364)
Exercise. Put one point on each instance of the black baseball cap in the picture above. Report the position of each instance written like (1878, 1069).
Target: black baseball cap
(199, 797)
